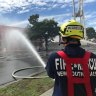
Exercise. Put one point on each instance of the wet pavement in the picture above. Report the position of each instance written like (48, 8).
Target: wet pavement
(11, 63)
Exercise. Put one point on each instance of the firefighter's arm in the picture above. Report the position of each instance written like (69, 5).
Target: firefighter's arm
(50, 67)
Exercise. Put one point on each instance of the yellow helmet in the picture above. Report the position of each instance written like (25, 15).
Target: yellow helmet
(72, 29)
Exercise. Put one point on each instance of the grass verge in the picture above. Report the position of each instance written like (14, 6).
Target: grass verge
(27, 87)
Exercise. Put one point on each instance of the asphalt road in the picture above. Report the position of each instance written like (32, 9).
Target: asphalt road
(20, 60)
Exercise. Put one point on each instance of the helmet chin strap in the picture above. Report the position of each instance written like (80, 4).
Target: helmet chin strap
(62, 43)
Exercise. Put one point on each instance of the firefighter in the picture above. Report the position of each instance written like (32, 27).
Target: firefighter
(73, 68)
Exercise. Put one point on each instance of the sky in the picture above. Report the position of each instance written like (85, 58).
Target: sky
(16, 12)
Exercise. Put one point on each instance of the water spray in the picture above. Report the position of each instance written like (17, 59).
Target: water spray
(12, 34)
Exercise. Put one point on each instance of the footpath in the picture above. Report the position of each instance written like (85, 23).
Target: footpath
(48, 93)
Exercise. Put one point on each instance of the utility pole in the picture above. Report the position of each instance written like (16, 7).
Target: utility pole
(80, 14)
(82, 17)
(74, 14)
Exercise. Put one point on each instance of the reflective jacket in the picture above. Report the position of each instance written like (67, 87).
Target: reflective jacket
(56, 69)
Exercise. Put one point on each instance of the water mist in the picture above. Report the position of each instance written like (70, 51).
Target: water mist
(14, 34)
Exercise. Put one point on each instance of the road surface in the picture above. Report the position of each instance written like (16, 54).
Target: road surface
(18, 61)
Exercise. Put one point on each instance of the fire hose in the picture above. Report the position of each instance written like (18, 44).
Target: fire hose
(31, 76)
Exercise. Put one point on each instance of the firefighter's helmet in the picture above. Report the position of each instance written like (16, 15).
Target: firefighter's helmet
(72, 29)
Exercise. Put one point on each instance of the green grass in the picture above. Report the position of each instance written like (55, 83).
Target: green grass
(27, 87)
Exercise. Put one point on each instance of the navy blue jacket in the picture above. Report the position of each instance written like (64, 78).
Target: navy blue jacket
(60, 85)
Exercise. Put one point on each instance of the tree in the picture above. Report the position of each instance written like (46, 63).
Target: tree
(33, 19)
(90, 32)
(39, 28)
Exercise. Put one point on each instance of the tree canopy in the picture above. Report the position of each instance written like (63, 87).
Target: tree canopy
(90, 33)
(39, 29)
(33, 19)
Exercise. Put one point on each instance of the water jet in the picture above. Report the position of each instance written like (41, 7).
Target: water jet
(15, 42)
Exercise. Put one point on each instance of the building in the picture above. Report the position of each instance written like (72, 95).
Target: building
(5, 29)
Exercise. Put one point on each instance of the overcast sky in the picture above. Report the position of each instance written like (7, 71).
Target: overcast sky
(17, 12)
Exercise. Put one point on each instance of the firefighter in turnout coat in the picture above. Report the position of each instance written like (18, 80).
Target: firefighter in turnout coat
(73, 68)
